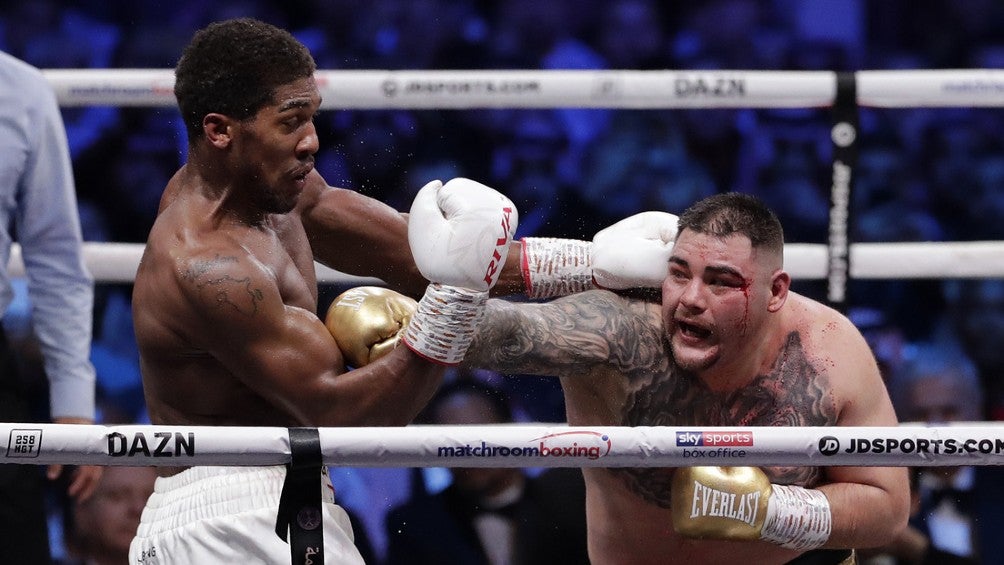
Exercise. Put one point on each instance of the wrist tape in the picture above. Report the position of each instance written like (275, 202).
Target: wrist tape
(797, 518)
(444, 324)
(555, 267)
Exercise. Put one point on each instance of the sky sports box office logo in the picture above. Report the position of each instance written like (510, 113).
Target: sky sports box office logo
(714, 444)
(714, 439)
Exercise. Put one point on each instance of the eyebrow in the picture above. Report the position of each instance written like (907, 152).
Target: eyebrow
(296, 103)
(716, 269)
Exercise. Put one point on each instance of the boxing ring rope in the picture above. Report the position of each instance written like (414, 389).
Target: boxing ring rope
(376, 89)
(379, 89)
(117, 262)
(517, 445)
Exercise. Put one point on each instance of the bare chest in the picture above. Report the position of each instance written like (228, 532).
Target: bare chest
(794, 392)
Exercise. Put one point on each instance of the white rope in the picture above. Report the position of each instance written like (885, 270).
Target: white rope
(975, 443)
(375, 89)
(915, 260)
(117, 262)
(945, 88)
(372, 89)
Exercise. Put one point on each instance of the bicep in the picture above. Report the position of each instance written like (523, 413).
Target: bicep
(362, 236)
(865, 499)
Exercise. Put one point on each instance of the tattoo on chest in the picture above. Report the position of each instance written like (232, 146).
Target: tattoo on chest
(219, 289)
(793, 393)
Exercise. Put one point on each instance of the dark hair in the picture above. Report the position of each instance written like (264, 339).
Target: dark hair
(722, 215)
(496, 397)
(234, 67)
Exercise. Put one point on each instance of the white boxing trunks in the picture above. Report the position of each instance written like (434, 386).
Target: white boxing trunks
(227, 515)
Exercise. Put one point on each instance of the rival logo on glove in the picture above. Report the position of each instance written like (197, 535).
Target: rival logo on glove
(721, 504)
(500, 243)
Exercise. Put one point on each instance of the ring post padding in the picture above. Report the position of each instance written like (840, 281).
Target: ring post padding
(843, 136)
(300, 516)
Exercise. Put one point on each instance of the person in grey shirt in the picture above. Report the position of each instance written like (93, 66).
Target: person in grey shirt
(38, 209)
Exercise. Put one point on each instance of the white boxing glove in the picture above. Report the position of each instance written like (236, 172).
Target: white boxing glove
(632, 253)
(459, 234)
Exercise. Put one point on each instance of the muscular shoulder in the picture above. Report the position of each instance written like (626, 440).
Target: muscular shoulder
(838, 350)
(223, 279)
(826, 333)
(205, 276)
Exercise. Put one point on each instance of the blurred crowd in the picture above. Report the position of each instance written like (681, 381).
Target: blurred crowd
(923, 174)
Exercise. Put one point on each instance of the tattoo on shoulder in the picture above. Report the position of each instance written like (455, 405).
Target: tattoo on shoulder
(793, 393)
(219, 289)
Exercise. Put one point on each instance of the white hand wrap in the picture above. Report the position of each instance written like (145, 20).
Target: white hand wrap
(797, 518)
(443, 327)
(632, 253)
(555, 267)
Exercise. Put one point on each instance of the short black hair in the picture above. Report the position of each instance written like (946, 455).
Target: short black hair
(729, 213)
(234, 67)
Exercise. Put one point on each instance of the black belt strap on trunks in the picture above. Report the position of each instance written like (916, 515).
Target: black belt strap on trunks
(300, 502)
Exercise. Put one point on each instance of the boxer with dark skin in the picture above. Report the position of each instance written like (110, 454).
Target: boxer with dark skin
(232, 254)
(225, 297)
(729, 345)
(227, 286)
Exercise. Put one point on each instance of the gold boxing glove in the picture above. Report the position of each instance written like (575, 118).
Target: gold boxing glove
(368, 321)
(740, 503)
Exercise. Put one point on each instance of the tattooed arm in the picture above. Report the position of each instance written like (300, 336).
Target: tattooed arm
(566, 336)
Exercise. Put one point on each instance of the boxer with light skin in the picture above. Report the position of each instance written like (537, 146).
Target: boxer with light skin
(729, 345)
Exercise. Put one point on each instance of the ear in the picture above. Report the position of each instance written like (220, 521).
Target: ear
(780, 282)
(218, 130)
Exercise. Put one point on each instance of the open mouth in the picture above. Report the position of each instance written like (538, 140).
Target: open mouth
(691, 331)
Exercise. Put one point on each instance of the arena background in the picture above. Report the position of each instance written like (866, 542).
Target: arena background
(922, 174)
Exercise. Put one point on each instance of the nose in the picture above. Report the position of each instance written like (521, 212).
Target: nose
(309, 144)
(692, 295)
